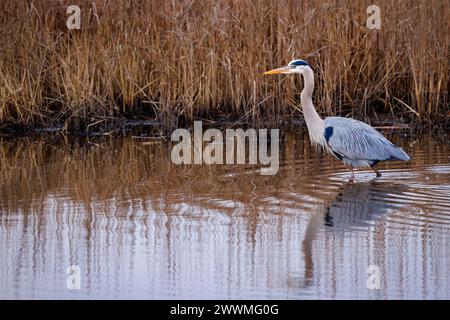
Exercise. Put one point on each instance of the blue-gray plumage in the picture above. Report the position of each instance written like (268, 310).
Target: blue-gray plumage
(358, 144)
(328, 132)
(354, 142)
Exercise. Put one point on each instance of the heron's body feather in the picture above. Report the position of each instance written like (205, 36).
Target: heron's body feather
(358, 144)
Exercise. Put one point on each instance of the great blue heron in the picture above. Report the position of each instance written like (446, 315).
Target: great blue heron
(354, 142)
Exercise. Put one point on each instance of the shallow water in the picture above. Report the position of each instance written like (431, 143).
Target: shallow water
(138, 226)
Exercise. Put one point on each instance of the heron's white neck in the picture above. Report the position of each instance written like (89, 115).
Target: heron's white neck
(313, 121)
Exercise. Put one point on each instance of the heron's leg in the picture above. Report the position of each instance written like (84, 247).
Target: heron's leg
(350, 168)
(378, 173)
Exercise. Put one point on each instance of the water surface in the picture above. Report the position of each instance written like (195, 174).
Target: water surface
(138, 226)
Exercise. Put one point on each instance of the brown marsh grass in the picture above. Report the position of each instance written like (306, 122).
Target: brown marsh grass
(189, 59)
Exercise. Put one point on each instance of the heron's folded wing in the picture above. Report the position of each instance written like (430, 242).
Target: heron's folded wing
(359, 141)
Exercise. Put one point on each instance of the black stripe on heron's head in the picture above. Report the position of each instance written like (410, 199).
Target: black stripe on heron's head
(328, 133)
(298, 63)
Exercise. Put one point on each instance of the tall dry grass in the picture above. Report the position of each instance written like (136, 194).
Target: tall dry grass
(190, 58)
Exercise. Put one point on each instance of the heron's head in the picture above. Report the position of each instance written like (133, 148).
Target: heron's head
(295, 66)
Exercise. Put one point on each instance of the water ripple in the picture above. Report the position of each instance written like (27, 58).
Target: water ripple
(140, 227)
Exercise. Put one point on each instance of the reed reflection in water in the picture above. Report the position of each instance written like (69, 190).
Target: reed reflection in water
(140, 227)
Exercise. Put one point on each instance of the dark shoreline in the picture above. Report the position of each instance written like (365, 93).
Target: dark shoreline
(120, 126)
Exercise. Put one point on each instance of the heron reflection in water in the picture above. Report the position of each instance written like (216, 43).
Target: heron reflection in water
(356, 207)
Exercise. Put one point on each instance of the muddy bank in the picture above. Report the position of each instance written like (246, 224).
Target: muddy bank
(152, 127)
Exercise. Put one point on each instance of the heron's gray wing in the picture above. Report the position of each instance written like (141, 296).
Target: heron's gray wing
(357, 140)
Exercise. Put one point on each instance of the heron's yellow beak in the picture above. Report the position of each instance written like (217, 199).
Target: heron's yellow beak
(279, 70)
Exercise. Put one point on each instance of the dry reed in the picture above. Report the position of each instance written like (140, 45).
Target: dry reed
(177, 60)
